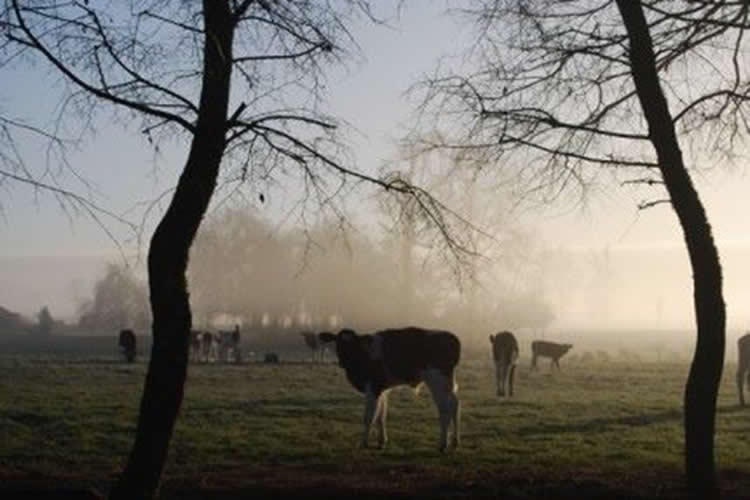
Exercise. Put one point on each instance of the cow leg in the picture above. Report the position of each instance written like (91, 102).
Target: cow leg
(510, 379)
(381, 414)
(533, 361)
(740, 383)
(500, 377)
(442, 388)
(371, 403)
(454, 407)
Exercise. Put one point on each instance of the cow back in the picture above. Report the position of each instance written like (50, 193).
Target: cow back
(504, 347)
(407, 352)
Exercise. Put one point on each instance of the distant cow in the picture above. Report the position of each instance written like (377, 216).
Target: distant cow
(229, 344)
(195, 345)
(316, 345)
(208, 347)
(127, 344)
(743, 365)
(505, 354)
(376, 363)
(544, 349)
(271, 358)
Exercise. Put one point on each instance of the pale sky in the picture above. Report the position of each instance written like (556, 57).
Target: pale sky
(121, 167)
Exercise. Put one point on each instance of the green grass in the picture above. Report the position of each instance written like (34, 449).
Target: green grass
(590, 431)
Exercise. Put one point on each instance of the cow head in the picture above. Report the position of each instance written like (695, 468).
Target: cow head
(351, 349)
(567, 347)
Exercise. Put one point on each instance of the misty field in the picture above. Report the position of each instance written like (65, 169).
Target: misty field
(593, 430)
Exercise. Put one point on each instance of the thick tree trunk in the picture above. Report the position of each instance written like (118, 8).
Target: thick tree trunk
(167, 265)
(702, 386)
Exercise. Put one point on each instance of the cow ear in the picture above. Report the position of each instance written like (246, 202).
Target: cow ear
(492, 339)
(327, 337)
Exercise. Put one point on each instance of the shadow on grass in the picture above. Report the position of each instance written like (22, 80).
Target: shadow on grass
(27, 418)
(413, 482)
(604, 424)
(509, 489)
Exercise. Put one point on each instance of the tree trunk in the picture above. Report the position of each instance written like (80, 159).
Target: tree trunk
(167, 264)
(702, 386)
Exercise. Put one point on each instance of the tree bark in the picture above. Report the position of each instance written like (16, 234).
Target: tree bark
(702, 386)
(167, 265)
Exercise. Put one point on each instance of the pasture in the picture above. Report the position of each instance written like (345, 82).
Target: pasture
(593, 430)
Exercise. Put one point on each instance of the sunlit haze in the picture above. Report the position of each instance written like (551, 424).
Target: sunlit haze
(624, 267)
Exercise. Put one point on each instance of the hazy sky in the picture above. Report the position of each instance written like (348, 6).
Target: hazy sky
(121, 167)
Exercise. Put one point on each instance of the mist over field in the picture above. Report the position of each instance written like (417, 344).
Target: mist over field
(611, 299)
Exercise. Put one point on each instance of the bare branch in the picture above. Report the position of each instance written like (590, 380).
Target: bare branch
(35, 43)
(644, 205)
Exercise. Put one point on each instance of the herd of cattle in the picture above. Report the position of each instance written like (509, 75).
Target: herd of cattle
(223, 346)
(376, 363)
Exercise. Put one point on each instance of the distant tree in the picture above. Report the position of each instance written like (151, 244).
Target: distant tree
(120, 300)
(234, 250)
(12, 322)
(45, 322)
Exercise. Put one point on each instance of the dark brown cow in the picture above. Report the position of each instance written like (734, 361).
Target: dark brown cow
(544, 349)
(376, 363)
(271, 358)
(743, 365)
(505, 354)
(229, 345)
(127, 344)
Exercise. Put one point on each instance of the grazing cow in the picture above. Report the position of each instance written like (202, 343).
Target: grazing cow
(229, 344)
(316, 345)
(376, 363)
(505, 354)
(544, 349)
(208, 346)
(743, 365)
(127, 344)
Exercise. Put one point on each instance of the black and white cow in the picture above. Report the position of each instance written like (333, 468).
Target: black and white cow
(376, 363)
(126, 342)
(545, 349)
(208, 347)
(505, 354)
(229, 345)
(743, 365)
(316, 345)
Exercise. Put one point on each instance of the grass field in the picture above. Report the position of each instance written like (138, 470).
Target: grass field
(291, 430)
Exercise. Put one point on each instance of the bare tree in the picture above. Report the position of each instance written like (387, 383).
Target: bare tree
(243, 81)
(560, 92)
